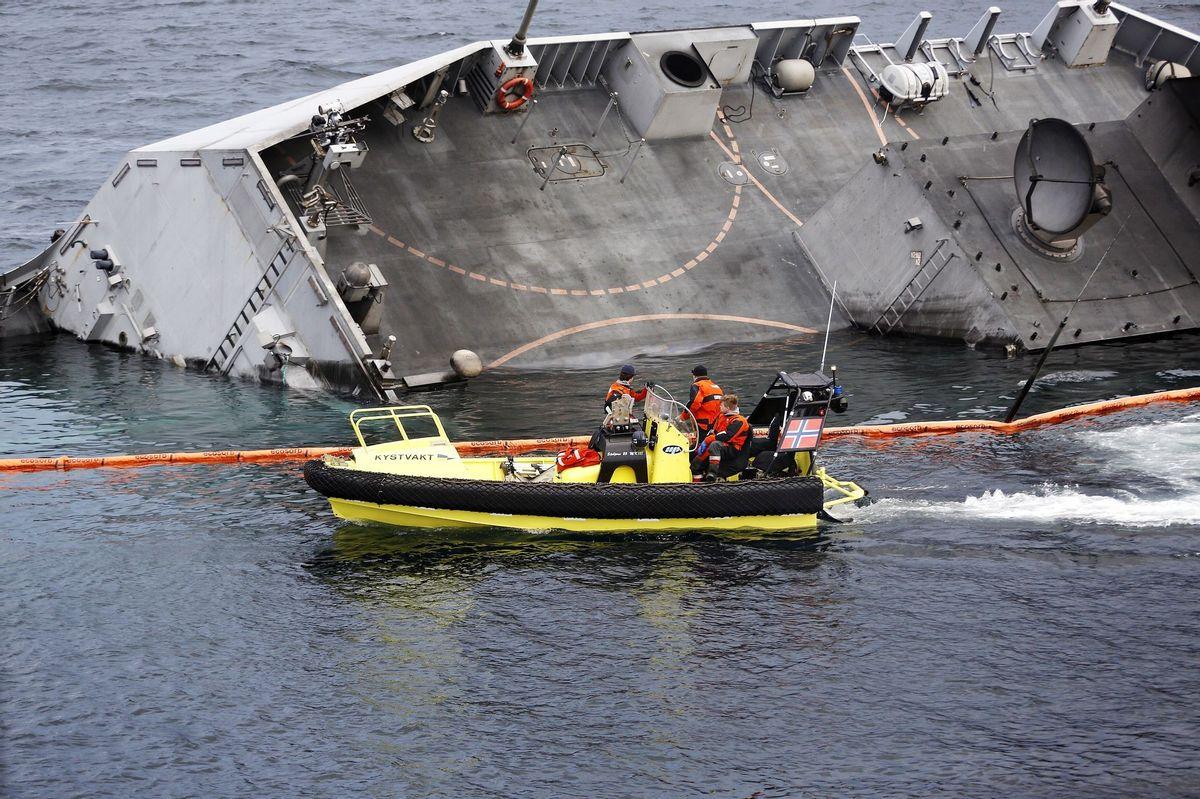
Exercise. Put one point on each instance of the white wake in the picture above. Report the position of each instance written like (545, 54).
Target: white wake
(1049, 503)
(1166, 452)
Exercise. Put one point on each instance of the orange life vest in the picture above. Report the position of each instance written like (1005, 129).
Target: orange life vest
(706, 406)
(739, 439)
(618, 389)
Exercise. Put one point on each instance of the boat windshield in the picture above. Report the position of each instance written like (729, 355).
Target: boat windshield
(662, 407)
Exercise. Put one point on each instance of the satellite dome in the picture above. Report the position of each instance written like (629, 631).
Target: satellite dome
(795, 75)
(357, 274)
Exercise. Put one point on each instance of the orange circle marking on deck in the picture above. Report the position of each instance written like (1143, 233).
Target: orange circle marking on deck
(867, 105)
(654, 317)
(726, 226)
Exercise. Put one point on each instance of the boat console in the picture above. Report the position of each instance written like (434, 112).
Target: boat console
(789, 420)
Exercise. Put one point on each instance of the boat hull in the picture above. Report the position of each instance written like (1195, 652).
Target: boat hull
(412, 516)
(620, 502)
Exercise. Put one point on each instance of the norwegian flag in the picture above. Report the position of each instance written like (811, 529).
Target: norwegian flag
(802, 434)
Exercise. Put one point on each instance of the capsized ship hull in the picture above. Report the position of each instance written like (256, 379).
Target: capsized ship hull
(633, 202)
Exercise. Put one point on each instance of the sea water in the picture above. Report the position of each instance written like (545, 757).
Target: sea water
(1011, 614)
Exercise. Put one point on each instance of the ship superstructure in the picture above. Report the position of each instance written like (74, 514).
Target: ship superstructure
(526, 204)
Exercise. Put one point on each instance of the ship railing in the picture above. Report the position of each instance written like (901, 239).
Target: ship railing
(573, 61)
(816, 40)
(1148, 39)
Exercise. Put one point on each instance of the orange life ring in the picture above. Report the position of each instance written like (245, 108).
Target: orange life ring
(510, 100)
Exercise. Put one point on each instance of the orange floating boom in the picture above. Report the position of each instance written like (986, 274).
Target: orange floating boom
(522, 446)
(1059, 416)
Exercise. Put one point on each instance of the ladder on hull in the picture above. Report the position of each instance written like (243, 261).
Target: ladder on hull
(222, 358)
(930, 268)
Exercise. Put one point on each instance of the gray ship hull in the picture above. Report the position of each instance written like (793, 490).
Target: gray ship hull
(625, 213)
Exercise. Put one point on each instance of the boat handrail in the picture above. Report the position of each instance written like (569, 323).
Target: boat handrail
(396, 414)
(662, 407)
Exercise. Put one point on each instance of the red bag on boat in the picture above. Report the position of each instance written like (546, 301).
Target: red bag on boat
(576, 456)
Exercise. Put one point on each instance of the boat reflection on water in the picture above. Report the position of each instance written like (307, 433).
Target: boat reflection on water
(364, 548)
(419, 569)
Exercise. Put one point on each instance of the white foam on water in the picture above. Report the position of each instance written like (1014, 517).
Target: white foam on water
(1178, 373)
(1071, 376)
(1049, 503)
(1169, 451)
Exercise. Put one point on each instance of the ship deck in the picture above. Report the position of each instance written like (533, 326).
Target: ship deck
(478, 255)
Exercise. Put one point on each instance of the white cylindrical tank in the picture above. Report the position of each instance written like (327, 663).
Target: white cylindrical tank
(1162, 71)
(914, 83)
(795, 75)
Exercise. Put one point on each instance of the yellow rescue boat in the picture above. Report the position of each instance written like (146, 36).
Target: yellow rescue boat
(637, 479)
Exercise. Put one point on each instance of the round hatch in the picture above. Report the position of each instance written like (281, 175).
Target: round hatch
(682, 68)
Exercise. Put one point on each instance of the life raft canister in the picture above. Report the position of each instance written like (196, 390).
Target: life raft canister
(514, 92)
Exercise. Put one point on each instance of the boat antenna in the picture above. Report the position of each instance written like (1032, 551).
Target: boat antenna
(1037, 369)
(516, 48)
(828, 324)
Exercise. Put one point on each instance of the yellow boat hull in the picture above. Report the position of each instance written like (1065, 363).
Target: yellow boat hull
(410, 516)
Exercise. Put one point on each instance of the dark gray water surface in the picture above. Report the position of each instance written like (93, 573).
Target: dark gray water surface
(1012, 616)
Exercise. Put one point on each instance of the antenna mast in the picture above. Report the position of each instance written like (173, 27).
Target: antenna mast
(516, 48)
(828, 324)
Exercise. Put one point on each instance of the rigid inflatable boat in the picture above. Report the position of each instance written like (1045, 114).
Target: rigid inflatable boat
(635, 476)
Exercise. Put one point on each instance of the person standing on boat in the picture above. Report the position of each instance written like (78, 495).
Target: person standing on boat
(623, 387)
(704, 402)
(728, 445)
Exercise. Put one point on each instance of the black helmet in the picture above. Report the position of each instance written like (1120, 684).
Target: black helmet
(628, 371)
(700, 370)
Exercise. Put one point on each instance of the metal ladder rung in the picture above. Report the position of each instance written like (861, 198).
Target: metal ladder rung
(262, 290)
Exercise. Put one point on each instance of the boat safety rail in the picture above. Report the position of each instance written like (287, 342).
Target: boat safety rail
(552, 445)
(396, 416)
(845, 490)
(663, 407)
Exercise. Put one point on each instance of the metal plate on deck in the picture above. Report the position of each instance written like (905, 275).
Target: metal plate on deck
(771, 161)
(733, 173)
(574, 162)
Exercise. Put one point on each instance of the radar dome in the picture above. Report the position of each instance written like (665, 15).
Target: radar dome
(357, 275)
(795, 75)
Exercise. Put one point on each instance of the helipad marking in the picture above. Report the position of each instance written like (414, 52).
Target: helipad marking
(737, 159)
(866, 105)
(657, 317)
(726, 226)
